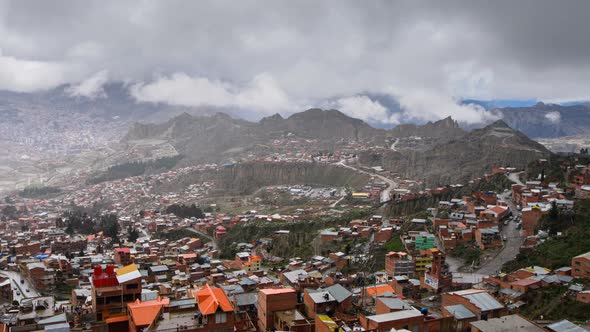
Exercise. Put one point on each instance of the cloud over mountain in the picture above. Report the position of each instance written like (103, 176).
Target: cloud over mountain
(270, 57)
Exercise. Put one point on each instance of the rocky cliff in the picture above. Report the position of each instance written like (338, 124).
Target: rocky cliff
(445, 128)
(244, 178)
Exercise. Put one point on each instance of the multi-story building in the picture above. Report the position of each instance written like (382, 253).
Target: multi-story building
(123, 256)
(112, 291)
(271, 303)
(581, 266)
(399, 264)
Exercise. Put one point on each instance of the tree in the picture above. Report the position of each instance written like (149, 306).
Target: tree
(133, 234)
(81, 253)
(554, 212)
(110, 226)
(142, 213)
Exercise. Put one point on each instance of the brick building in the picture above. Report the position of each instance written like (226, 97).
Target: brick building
(581, 266)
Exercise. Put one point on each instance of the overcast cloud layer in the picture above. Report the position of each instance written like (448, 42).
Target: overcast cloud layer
(283, 56)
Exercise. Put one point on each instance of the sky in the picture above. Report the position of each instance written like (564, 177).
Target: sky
(286, 56)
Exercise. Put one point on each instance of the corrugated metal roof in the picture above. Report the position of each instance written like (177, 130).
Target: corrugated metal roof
(484, 301)
(565, 326)
(459, 311)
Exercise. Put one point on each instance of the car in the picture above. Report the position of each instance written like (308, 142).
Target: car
(504, 238)
(18, 293)
(27, 290)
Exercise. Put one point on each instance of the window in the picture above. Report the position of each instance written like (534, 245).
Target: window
(132, 286)
(220, 318)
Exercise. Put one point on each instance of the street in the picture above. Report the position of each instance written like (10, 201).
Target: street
(513, 238)
(21, 288)
(386, 193)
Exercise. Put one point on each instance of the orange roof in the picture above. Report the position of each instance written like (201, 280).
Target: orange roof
(269, 291)
(193, 255)
(211, 299)
(379, 289)
(117, 319)
(144, 313)
(255, 258)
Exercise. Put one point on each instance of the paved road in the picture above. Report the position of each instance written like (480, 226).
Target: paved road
(21, 288)
(386, 193)
(213, 243)
(513, 238)
(515, 177)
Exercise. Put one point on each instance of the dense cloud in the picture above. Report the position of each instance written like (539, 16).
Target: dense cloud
(273, 56)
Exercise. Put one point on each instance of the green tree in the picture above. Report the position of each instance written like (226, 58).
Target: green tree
(554, 212)
(133, 234)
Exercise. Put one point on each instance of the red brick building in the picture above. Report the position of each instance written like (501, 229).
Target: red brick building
(581, 266)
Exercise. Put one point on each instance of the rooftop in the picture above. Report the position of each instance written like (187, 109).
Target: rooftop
(506, 323)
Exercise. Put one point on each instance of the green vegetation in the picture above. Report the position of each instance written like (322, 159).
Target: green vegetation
(468, 254)
(185, 211)
(135, 168)
(133, 234)
(256, 230)
(37, 191)
(558, 251)
(395, 244)
(497, 183)
(554, 169)
(550, 303)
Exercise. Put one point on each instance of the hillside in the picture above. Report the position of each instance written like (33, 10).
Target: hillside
(245, 178)
(219, 137)
(461, 159)
(445, 128)
(548, 120)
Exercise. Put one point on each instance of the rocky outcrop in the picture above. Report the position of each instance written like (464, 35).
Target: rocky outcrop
(218, 137)
(445, 128)
(464, 158)
(548, 120)
(245, 178)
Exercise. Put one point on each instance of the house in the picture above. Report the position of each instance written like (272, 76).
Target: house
(564, 326)
(399, 264)
(112, 290)
(477, 301)
(531, 217)
(583, 296)
(506, 323)
(385, 305)
(215, 308)
(143, 314)
(581, 266)
(488, 238)
(122, 256)
(462, 316)
(328, 300)
(412, 320)
(274, 301)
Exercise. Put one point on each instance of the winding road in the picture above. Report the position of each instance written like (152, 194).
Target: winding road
(386, 193)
